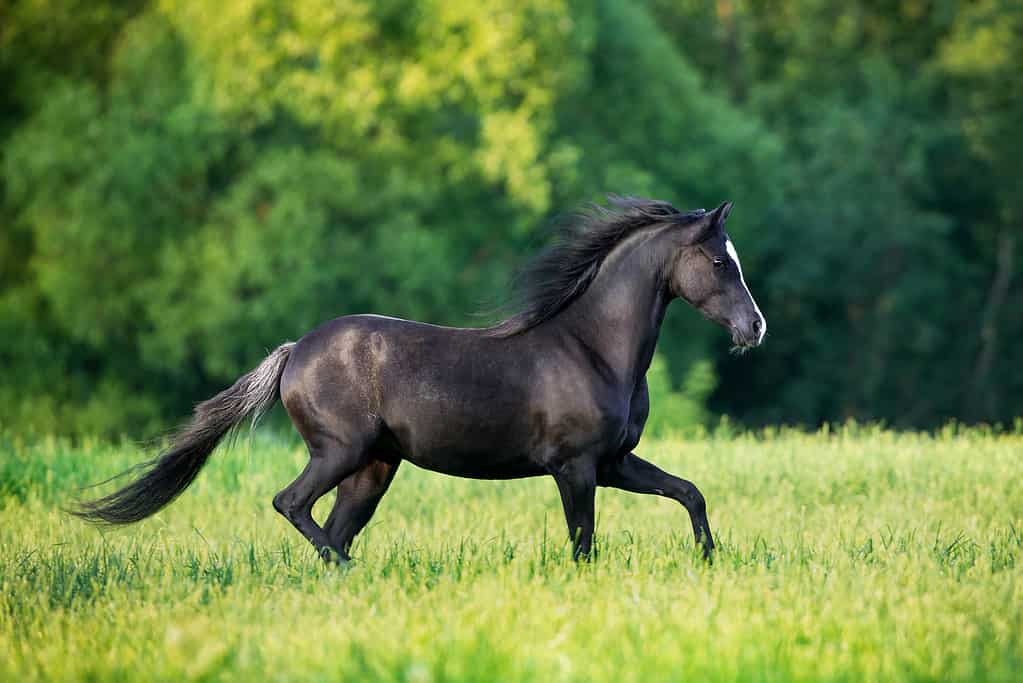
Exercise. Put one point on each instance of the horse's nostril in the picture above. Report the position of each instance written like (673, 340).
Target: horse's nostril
(756, 327)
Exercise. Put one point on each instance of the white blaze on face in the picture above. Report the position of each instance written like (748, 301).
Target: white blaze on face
(738, 266)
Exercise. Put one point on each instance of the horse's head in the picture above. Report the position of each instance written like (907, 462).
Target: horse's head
(706, 273)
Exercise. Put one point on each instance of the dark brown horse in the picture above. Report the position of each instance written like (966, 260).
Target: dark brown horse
(558, 389)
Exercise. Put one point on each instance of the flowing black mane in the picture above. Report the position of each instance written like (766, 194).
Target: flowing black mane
(564, 271)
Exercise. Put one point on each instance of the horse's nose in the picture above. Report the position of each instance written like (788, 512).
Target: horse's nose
(754, 331)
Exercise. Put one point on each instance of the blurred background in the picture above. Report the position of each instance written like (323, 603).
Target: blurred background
(185, 184)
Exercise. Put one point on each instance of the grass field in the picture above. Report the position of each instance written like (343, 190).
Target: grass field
(859, 555)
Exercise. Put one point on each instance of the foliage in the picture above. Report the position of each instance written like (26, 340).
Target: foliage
(682, 411)
(882, 278)
(183, 188)
(850, 554)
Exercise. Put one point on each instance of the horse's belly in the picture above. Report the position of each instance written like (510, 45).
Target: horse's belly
(470, 427)
(476, 465)
(482, 447)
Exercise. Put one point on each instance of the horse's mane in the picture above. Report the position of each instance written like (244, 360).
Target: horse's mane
(564, 271)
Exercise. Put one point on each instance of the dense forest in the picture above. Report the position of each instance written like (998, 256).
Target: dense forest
(186, 184)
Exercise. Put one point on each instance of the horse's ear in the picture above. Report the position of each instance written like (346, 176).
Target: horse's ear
(720, 214)
(705, 226)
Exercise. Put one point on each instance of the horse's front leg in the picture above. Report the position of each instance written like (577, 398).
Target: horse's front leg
(632, 473)
(578, 487)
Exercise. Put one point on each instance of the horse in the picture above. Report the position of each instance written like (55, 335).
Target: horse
(558, 388)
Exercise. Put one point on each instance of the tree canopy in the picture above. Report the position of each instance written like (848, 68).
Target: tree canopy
(184, 185)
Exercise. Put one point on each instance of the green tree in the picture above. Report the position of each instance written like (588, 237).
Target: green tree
(983, 55)
(182, 186)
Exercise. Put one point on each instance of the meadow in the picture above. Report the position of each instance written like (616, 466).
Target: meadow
(855, 554)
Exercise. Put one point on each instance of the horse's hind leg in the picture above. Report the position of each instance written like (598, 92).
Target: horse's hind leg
(330, 461)
(357, 499)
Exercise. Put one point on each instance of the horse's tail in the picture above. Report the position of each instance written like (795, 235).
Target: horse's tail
(162, 479)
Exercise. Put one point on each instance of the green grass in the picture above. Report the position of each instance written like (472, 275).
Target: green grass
(860, 555)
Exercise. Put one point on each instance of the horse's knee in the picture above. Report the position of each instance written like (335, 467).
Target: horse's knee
(284, 505)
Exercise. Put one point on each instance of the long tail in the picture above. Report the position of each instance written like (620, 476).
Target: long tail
(162, 479)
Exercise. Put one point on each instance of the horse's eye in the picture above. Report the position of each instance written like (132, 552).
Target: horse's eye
(720, 263)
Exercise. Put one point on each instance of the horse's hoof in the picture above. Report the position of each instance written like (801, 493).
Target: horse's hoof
(333, 558)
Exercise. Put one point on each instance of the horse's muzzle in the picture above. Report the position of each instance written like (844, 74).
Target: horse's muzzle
(747, 336)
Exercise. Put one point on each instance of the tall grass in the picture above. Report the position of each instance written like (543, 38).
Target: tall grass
(853, 555)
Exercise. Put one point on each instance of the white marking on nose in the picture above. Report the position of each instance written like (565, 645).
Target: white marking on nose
(730, 248)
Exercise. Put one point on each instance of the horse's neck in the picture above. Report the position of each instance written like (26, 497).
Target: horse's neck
(619, 316)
